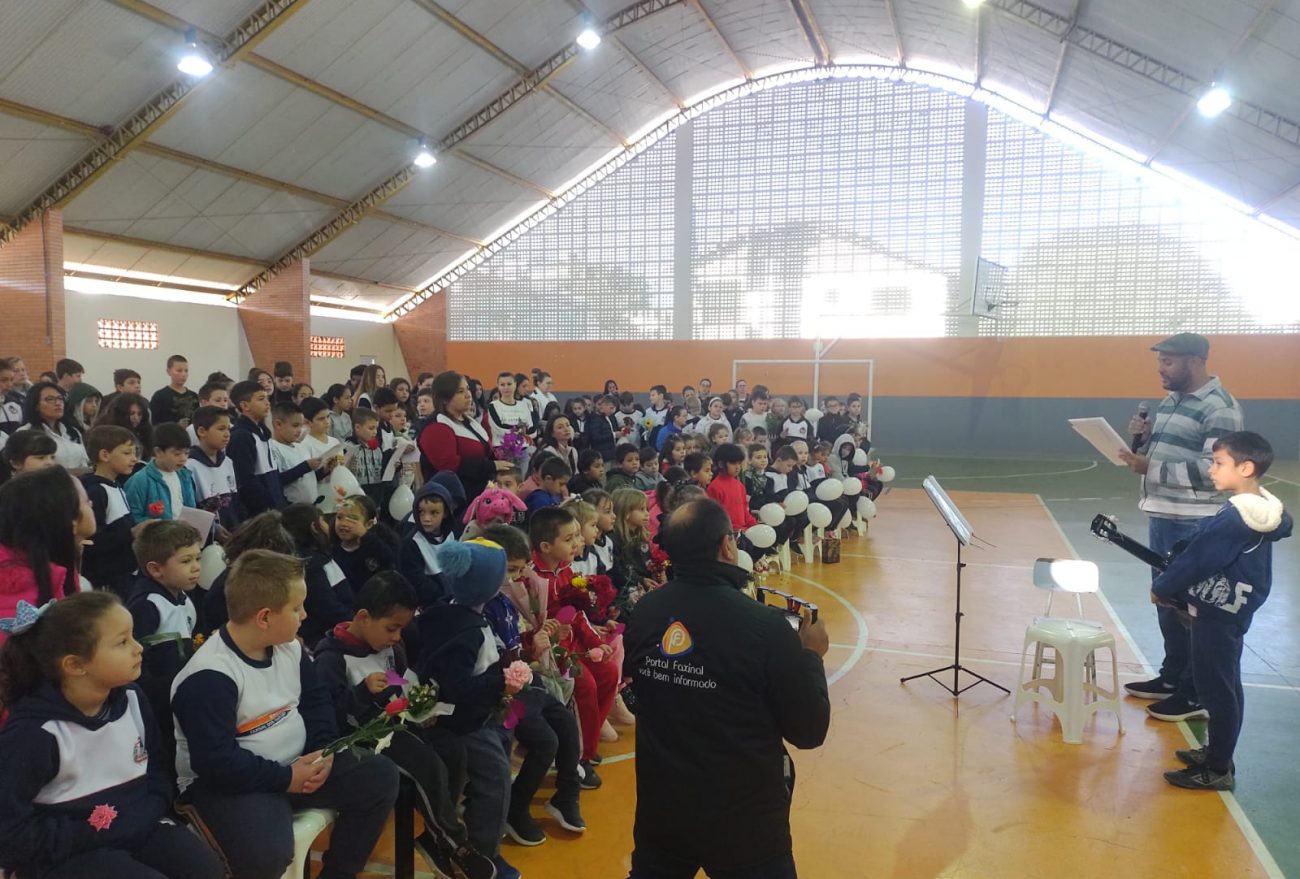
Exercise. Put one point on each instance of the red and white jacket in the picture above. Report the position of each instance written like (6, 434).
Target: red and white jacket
(461, 447)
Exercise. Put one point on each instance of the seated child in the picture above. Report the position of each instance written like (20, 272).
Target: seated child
(591, 472)
(553, 477)
(358, 662)
(297, 469)
(85, 788)
(754, 476)
(166, 620)
(820, 466)
(29, 450)
(331, 598)
(508, 480)
(673, 453)
(699, 469)
(363, 547)
(460, 652)
(108, 561)
(164, 485)
(648, 476)
(627, 463)
(588, 560)
(252, 720)
(554, 536)
(717, 435)
(546, 729)
(215, 488)
(1223, 577)
(430, 526)
(727, 489)
(604, 544)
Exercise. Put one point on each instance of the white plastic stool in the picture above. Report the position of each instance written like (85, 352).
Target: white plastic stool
(307, 825)
(1073, 693)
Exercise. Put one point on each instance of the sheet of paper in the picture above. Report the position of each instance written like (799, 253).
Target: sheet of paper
(1102, 436)
(201, 519)
(400, 449)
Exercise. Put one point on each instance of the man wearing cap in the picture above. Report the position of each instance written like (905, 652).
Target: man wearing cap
(1174, 461)
(721, 684)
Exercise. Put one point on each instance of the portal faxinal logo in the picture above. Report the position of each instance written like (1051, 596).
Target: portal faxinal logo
(676, 641)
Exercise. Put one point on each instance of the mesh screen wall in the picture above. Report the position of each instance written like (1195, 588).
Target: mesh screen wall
(833, 208)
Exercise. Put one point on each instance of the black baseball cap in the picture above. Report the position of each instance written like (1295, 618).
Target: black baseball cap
(1186, 344)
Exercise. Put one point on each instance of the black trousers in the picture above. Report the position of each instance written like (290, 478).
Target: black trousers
(651, 864)
(549, 733)
(170, 852)
(1216, 666)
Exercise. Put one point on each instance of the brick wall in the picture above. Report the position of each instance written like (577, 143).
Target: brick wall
(422, 335)
(33, 324)
(277, 321)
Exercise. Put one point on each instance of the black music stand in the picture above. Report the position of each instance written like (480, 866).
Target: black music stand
(962, 530)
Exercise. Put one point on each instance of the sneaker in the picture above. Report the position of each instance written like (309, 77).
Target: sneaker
(608, 733)
(590, 780)
(1176, 708)
(1156, 688)
(1201, 778)
(1196, 758)
(567, 814)
(620, 715)
(504, 870)
(596, 760)
(524, 830)
(473, 864)
(435, 854)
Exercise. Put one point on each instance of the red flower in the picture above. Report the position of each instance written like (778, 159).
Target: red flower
(397, 706)
(102, 817)
(156, 508)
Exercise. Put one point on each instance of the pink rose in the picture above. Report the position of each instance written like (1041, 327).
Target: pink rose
(518, 675)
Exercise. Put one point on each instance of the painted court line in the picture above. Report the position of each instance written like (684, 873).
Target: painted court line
(1271, 869)
(1092, 466)
(945, 562)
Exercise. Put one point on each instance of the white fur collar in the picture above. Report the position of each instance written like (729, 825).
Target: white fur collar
(1261, 512)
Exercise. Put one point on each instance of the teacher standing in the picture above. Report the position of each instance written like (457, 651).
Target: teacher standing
(721, 683)
(454, 441)
(1177, 494)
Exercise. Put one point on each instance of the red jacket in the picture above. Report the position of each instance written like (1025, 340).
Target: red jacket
(730, 492)
(461, 447)
(17, 581)
(584, 637)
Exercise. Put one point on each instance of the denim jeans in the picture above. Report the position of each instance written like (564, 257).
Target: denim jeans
(1177, 665)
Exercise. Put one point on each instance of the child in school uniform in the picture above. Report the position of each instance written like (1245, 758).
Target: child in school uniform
(552, 477)
(590, 474)
(603, 546)
(331, 598)
(430, 526)
(369, 458)
(256, 475)
(215, 487)
(297, 468)
(252, 719)
(1223, 577)
(627, 463)
(164, 485)
(85, 789)
(108, 561)
(362, 547)
(359, 662)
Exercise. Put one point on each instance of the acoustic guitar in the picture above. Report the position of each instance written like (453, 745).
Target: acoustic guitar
(1106, 529)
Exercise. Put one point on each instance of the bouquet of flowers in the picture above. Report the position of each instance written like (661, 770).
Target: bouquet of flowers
(659, 566)
(378, 730)
(513, 445)
(517, 675)
(592, 593)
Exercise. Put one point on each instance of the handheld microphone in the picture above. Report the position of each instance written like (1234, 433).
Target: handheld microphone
(1143, 409)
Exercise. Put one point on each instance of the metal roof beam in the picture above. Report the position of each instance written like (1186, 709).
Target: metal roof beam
(1143, 65)
(1060, 58)
(137, 128)
(717, 32)
(1272, 201)
(816, 40)
(892, 13)
(631, 56)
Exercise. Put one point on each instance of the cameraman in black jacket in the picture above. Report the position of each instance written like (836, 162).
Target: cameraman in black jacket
(720, 682)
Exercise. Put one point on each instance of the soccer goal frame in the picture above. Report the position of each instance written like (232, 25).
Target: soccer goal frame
(868, 399)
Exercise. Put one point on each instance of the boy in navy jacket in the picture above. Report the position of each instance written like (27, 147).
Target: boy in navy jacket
(108, 562)
(430, 526)
(256, 475)
(1223, 577)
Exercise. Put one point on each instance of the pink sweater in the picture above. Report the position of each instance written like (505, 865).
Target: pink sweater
(17, 581)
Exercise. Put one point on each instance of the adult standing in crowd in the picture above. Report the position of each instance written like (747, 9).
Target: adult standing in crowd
(453, 440)
(721, 682)
(1173, 458)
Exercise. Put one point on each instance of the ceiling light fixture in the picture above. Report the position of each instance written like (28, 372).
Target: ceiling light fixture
(973, 4)
(194, 62)
(1215, 101)
(589, 38)
(425, 157)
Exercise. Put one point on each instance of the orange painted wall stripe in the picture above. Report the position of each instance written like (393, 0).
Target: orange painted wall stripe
(1263, 367)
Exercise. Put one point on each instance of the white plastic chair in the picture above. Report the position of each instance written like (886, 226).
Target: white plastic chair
(307, 825)
(1073, 693)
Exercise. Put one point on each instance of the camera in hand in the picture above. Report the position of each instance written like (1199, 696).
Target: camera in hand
(794, 606)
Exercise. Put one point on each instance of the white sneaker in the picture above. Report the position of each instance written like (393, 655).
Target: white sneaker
(608, 733)
(620, 714)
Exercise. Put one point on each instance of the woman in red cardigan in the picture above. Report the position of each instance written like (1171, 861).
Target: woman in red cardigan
(454, 441)
(726, 487)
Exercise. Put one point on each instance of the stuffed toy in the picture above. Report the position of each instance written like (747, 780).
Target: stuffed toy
(493, 506)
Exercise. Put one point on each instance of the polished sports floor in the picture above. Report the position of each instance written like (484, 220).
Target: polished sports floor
(912, 783)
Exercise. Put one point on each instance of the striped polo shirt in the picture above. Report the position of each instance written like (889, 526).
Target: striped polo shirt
(1177, 482)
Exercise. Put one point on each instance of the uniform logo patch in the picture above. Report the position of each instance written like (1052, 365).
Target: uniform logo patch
(676, 641)
(139, 753)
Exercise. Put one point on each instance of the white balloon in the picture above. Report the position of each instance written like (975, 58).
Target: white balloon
(860, 458)
(846, 520)
(342, 484)
(887, 474)
(819, 515)
(866, 508)
(744, 560)
(795, 503)
(771, 514)
(762, 536)
(852, 486)
(212, 561)
(813, 415)
(829, 489)
(399, 505)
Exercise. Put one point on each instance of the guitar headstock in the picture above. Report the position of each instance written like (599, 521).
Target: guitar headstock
(1105, 527)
